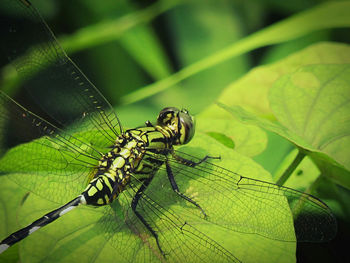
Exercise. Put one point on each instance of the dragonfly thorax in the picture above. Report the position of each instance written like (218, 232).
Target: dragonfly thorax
(131, 157)
(127, 156)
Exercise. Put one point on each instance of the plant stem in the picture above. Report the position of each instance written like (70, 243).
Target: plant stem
(300, 156)
(298, 207)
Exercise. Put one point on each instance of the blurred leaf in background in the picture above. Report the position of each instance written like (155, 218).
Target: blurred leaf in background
(262, 57)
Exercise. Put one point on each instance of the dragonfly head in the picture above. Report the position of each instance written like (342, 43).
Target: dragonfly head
(180, 123)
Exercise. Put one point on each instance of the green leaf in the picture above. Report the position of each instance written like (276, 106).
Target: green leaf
(246, 139)
(222, 138)
(251, 91)
(123, 64)
(103, 32)
(144, 46)
(276, 150)
(200, 29)
(11, 198)
(314, 103)
(281, 51)
(73, 236)
(327, 15)
(247, 248)
(133, 33)
(312, 106)
(249, 118)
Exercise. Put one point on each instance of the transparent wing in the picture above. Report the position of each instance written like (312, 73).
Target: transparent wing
(51, 78)
(247, 205)
(178, 239)
(55, 166)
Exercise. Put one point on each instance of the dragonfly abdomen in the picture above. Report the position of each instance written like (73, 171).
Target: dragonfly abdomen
(41, 222)
(135, 155)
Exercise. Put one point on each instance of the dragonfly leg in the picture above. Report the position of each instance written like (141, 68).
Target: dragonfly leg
(134, 203)
(192, 163)
(176, 188)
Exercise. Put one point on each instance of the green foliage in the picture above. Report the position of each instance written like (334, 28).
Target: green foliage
(311, 105)
(303, 97)
(328, 15)
(84, 228)
(316, 108)
(222, 138)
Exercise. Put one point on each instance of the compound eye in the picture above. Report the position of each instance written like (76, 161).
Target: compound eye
(188, 126)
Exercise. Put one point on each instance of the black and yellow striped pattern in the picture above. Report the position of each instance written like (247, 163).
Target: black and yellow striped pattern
(116, 167)
(41, 222)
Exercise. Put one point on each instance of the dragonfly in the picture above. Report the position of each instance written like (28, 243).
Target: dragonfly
(153, 198)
